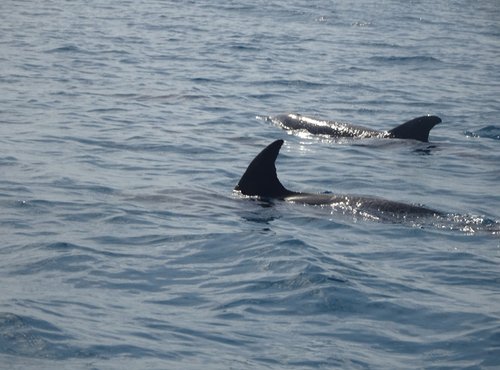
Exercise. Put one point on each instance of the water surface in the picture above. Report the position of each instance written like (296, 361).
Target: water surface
(124, 127)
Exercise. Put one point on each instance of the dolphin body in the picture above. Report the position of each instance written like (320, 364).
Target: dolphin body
(260, 179)
(416, 129)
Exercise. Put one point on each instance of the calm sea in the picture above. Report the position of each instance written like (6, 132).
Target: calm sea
(125, 125)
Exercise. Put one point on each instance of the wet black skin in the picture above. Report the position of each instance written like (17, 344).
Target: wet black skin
(260, 179)
(416, 129)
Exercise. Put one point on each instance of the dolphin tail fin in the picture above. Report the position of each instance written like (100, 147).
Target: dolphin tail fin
(260, 178)
(417, 128)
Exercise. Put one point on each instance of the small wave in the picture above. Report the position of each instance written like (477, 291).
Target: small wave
(73, 49)
(294, 83)
(106, 110)
(417, 59)
(28, 336)
(244, 47)
(63, 263)
(66, 49)
(490, 132)
(8, 161)
(34, 338)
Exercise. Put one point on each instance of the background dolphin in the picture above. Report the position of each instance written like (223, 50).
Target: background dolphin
(416, 129)
(260, 179)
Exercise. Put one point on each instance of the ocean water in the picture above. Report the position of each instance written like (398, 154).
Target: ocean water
(125, 125)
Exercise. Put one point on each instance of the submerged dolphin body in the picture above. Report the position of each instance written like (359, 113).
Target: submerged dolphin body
(260, 179)
(416, 129)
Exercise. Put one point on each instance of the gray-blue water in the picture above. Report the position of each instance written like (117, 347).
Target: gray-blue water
(125, 125)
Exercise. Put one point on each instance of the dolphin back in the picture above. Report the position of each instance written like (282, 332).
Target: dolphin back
(315, 126)
(416, 129)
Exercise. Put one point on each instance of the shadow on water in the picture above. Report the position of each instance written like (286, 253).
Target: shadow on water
(416, 147)
(426, 151)
(262, 212)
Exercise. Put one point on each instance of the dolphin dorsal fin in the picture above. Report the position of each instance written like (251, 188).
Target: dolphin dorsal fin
(260, 178)
(417, 128)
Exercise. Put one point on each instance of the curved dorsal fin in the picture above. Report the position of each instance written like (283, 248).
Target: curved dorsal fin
(417, 128)
(260, 177)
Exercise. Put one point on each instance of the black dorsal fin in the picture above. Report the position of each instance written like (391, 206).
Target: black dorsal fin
(417, 128)
(260, 177)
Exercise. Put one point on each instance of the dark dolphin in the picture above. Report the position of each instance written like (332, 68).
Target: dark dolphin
(416, 129)
(260, 179)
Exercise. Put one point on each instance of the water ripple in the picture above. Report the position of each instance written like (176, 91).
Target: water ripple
(124, 127)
